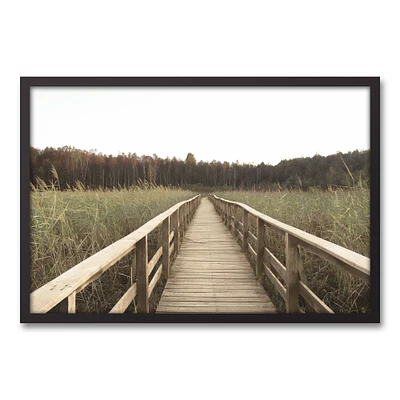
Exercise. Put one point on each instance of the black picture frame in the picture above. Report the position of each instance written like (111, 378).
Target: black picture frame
(27, 83)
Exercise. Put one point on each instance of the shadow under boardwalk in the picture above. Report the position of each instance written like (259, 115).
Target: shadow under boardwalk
(211, 273)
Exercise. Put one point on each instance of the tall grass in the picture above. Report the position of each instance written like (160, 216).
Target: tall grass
(340, 216)
(68, 227)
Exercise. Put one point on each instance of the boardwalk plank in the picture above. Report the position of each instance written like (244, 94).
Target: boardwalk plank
(211, 274)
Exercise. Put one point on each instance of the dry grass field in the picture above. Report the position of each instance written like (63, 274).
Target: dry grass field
(340, 216)
(70, 226)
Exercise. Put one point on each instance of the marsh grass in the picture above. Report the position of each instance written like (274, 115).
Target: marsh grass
(68, 227)
(341, 216)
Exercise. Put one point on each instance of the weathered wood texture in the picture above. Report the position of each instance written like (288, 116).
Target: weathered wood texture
(142, 276)
(211, 274)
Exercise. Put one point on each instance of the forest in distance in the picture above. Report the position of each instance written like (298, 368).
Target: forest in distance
(96, 170)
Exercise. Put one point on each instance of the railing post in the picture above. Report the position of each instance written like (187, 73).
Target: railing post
(234, 219)
(184, 218)
(175, 224)
(260, 247)
(165, 252)
(225, 212)
(181, 223)
(245, 230)
(133, 270)
(72, 303)
(237, 230)
(142, 278)
(292, 271)
(237, 220)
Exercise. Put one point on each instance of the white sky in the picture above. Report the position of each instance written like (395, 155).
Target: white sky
(226, 124)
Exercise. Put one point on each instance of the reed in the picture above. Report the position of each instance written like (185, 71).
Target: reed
(68, 227)
(341, 216)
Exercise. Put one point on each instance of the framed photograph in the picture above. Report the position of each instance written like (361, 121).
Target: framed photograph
(200, 199)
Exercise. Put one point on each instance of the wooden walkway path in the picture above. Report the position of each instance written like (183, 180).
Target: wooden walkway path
(211, 273)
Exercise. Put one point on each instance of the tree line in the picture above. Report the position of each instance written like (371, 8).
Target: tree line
(66, 166)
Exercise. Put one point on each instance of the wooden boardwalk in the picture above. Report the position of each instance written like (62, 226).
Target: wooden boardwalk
(211, 273)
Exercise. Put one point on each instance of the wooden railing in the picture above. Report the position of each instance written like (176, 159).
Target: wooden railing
(59, 295)
(236, 216)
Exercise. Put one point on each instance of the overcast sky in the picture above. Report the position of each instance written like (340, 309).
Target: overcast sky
(226, 124)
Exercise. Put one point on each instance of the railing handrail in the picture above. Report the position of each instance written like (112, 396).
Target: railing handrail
(355, 263)
(78, 277)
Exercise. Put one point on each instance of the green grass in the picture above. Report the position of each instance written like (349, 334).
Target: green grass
(342, 217)
(68, 227)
